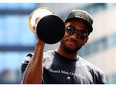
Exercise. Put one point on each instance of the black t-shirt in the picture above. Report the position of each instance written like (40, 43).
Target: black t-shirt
(60, 70)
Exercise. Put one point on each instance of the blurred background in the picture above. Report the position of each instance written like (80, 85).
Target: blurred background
(17, 40)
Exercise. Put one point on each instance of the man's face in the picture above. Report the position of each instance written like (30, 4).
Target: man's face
(76, 35)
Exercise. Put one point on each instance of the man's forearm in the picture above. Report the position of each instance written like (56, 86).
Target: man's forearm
(34, 70)
(33, 74)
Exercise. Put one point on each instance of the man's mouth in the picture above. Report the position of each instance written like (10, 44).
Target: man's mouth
(71, 43)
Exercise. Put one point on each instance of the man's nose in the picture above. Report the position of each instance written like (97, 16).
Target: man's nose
(74, 36)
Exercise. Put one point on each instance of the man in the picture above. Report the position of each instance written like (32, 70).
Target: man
(64, 65)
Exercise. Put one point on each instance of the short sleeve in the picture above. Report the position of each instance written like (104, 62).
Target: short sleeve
(103, 79)
(25, 62)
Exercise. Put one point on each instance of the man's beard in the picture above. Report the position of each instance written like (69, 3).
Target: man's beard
(67, 49)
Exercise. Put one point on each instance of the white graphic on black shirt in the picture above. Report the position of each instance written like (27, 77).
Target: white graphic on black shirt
(67, 73)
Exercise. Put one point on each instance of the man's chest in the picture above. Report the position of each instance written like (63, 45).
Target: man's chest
(67, 74)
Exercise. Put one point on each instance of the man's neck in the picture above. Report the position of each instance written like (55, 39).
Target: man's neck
(65, 54)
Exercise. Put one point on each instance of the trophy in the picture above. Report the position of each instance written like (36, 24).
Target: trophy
(47, 26)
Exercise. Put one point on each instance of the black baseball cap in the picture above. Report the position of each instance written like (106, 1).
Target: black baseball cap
(82, 16)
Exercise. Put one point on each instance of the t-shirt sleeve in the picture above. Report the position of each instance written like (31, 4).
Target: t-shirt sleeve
(98, 76)
(102, 79)
(25, 63)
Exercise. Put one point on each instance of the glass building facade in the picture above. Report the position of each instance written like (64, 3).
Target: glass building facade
(16, 39)
(99, 45)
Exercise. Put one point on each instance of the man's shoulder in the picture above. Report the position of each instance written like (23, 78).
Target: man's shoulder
(27, 58)
(90, 66)
(95, 71)
(46, 54)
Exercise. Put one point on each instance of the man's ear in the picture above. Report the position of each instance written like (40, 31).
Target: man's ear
(86, 39)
